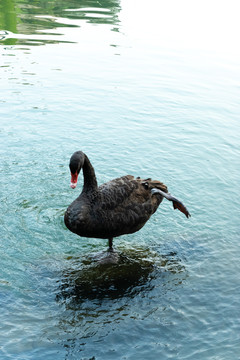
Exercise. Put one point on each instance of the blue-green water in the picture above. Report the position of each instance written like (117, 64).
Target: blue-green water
(146, 88)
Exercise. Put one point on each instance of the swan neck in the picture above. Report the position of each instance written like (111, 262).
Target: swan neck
(90, 181)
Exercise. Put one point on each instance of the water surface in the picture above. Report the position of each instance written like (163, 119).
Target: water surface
(148, 89)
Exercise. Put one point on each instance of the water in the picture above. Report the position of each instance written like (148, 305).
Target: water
(145, 88)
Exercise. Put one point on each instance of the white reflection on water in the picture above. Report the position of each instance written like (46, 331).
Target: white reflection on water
(212, 26)
(201, 26)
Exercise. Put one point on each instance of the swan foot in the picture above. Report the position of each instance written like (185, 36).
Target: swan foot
(106, 258)
(177, 204)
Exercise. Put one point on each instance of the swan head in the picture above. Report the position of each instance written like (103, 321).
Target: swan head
(75, 165)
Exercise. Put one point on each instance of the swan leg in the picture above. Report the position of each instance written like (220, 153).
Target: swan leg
(177, 204)
(110, 244)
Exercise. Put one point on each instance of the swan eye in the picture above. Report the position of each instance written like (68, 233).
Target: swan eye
(145, 185)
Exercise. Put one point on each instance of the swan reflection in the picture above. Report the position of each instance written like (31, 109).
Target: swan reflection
(98, 292)
(113, 275)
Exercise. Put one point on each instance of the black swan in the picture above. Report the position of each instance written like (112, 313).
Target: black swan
(120, 206)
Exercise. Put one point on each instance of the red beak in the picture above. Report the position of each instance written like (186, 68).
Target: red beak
(74, 179)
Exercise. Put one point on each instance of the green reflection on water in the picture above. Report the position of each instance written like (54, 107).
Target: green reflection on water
(22, 17)
(8, 18)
